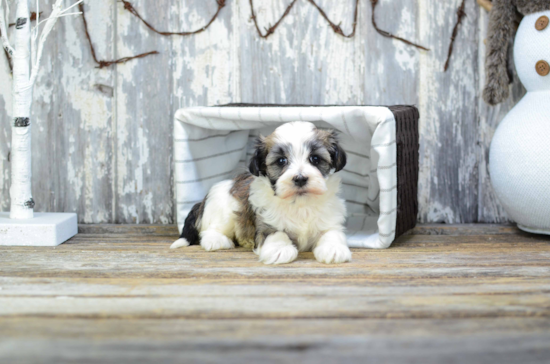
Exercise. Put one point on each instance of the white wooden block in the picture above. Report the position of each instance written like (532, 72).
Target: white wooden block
(45, 229)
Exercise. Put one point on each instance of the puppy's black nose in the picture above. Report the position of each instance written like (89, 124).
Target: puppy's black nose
(300, 181)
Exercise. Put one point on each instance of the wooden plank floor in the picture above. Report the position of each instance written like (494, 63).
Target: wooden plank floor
(117, 294)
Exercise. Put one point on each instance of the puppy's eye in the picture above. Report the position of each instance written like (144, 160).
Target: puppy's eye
(315, 160)
(282, 161)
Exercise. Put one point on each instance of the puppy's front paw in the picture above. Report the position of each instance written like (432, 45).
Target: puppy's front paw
(213, 240)
(278, 249)
(332, 248)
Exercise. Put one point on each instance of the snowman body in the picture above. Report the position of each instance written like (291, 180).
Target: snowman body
(520, 150)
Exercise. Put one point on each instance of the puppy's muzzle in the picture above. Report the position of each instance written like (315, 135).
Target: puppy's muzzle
(300, 181)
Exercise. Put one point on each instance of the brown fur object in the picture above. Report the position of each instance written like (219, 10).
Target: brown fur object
(245, 232)
(501, 25)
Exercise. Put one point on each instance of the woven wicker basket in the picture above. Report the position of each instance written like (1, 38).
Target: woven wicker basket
(379, 183)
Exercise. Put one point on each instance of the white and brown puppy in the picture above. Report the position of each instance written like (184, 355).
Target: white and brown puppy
(286, 204)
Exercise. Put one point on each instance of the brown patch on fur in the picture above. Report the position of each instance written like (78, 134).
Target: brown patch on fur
(325, 137)
(245, 229)
(329, 138)
(268, 141)
(262, 232)
(201, 212)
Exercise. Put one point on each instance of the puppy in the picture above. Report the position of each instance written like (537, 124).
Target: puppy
(287, 203)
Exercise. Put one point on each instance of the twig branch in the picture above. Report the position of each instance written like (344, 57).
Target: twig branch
(10, 63)
(57, 12)
(7, 10)
(336, 27)
(3, 29)
(103, 63)
(128, 6)
(33, 17)
(6, 46)
(460, 16)
(388, 34)
(272, 28)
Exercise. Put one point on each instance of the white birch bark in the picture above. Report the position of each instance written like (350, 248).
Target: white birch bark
(22, 203)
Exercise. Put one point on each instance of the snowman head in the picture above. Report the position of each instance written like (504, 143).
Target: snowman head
(532, 52)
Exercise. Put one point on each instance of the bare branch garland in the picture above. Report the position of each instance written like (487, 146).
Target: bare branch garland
(388, 34)
(271, 28)
(129, 7)
(336, 27)
(221, 3)
(103, 63)
(268, 31)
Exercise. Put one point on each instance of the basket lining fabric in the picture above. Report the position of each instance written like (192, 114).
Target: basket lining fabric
(215, 143)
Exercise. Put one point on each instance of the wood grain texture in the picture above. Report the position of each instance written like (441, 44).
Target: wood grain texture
(448, 184)
(143, 113)
(118, 294)
(489, 209)
(384, 58)
(508, 341)
(103, 138)
(422, 229)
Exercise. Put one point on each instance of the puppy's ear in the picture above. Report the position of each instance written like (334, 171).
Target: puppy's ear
(337, 154)
(257, 164)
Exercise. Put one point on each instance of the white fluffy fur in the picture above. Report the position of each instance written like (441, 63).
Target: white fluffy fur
(217, 227)
(278, 249)
(332, 248)
(180, 243)
(314, 219)
(213, 240)
(307, 217)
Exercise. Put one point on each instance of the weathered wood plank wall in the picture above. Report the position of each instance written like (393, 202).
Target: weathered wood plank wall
(103, 137)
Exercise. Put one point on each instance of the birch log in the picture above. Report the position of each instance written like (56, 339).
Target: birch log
(22, 203)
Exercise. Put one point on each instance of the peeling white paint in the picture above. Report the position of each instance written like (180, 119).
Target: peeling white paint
(438, 213)
(405, 55)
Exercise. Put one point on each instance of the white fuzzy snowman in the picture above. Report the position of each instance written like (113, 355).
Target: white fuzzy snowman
(520, 151)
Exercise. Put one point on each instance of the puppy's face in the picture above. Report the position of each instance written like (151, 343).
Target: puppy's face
(297, 159)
